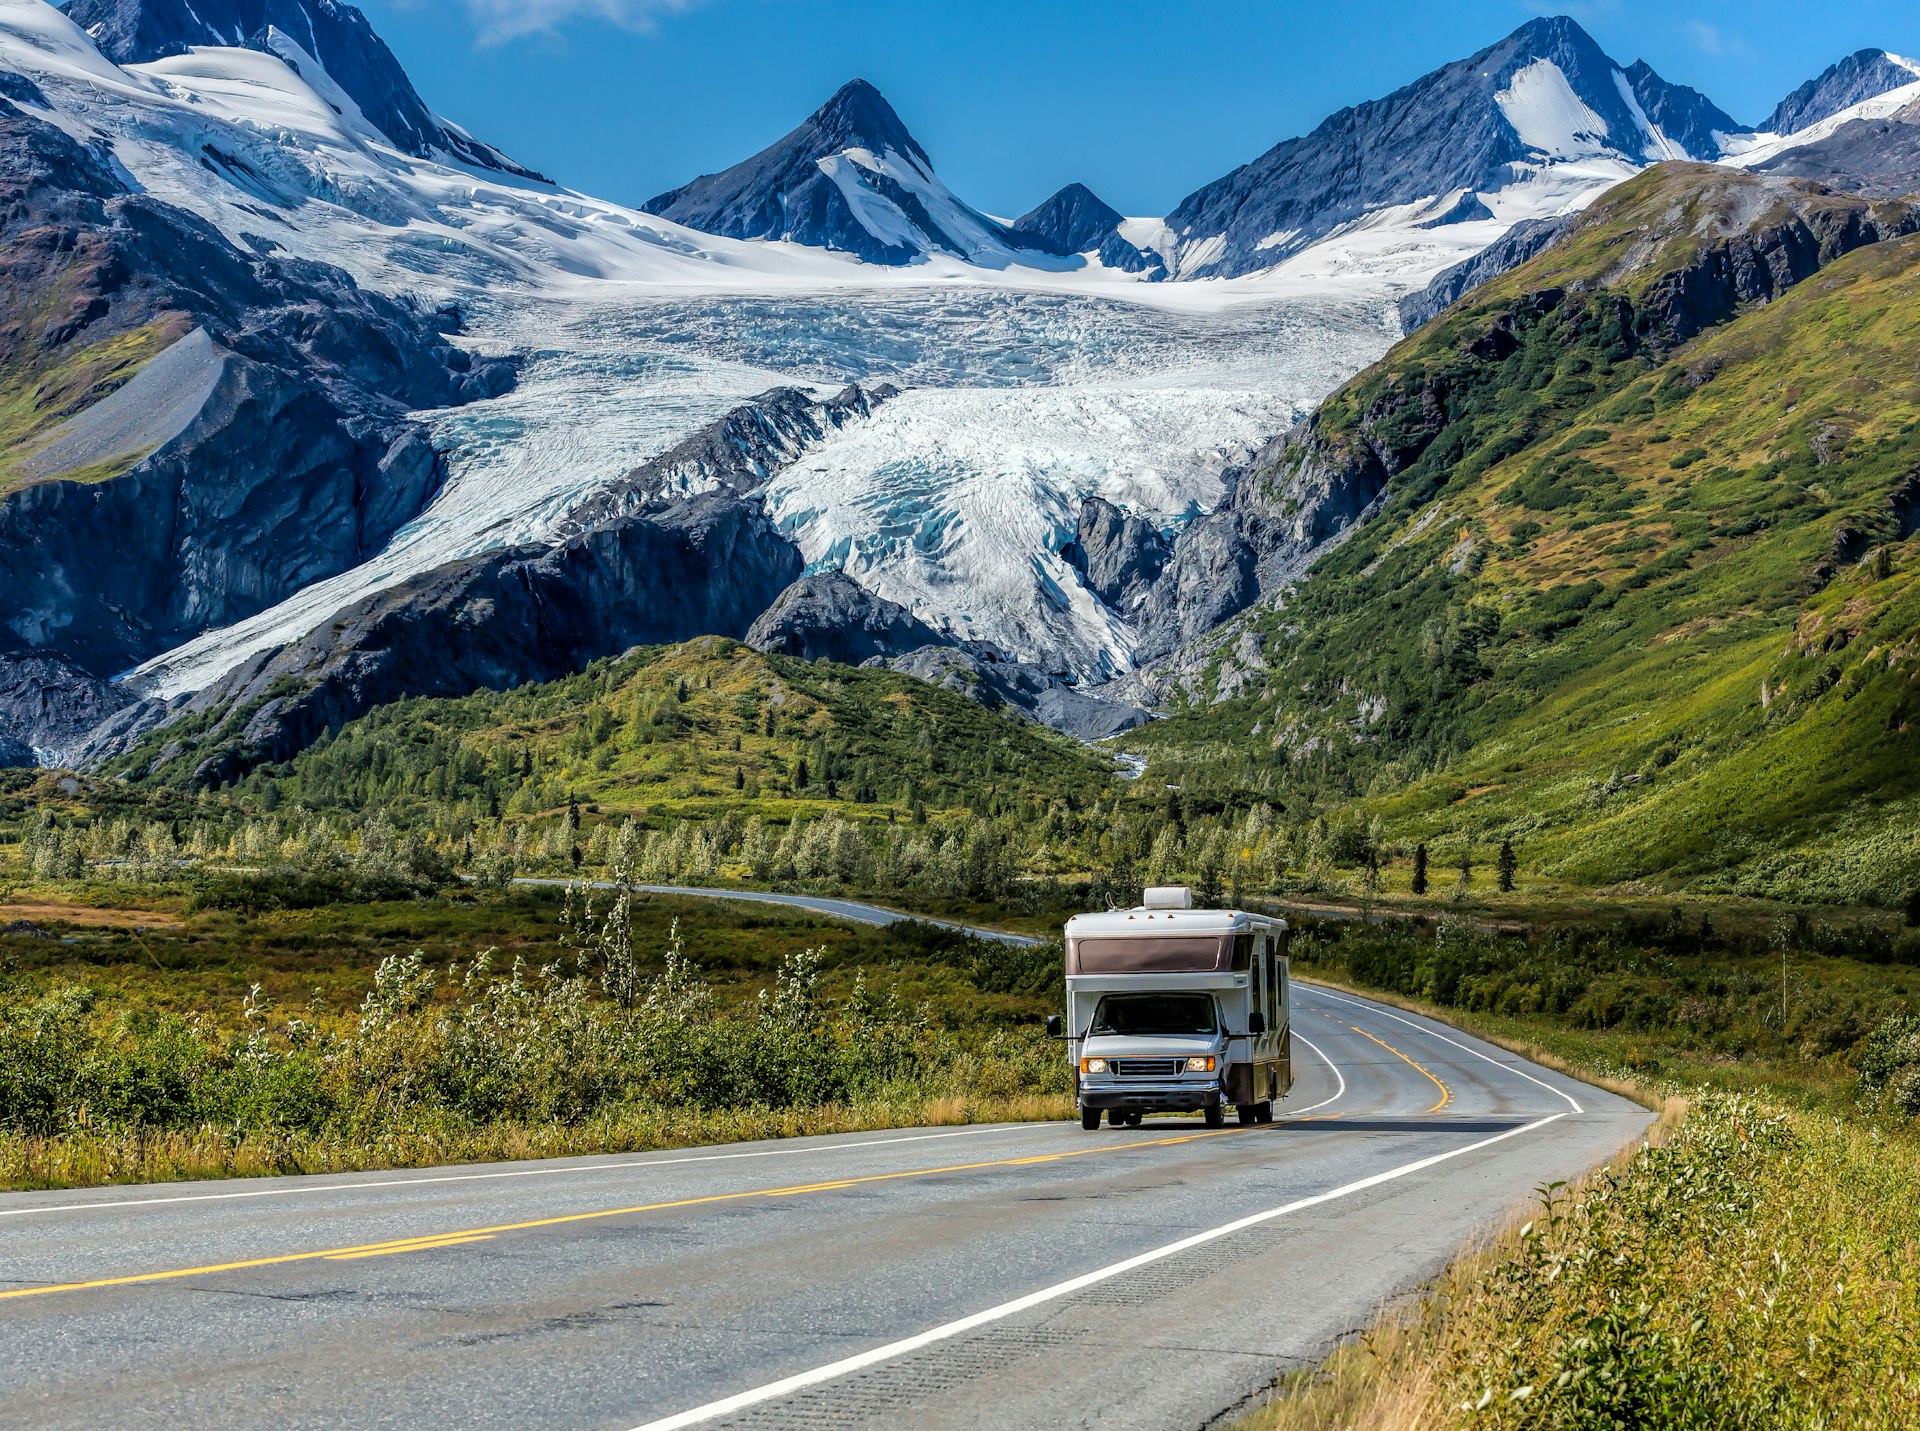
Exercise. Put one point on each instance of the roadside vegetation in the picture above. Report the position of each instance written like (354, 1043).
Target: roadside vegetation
(1754, 1264)
(205, 1042)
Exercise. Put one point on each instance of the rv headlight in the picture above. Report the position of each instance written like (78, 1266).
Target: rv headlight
(1201, 1063)
(1093, 1065)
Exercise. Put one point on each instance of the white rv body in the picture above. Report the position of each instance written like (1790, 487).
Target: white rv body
(1178, 1010)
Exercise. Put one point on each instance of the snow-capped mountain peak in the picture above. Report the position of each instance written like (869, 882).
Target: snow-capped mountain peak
(326, 35)
(850, 178)
(1862, 76)
(1544, 116)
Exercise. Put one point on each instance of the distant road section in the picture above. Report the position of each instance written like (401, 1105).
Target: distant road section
(847, 909)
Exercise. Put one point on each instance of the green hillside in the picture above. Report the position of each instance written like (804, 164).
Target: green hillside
(1645, 609)
(668, 733)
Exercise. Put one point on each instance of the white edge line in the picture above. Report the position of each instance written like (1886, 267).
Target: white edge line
(1340, 1093)
(786, 1386)
(428, 1181)
(1374, 1008)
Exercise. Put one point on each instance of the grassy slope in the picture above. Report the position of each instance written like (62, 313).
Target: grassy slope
(678, 732)
(1560, 631)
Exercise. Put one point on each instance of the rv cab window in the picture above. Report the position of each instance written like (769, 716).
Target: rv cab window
(1125, 1014)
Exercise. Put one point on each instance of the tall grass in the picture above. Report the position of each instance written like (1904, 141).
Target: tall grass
(485, 1064)
(1747, 1267)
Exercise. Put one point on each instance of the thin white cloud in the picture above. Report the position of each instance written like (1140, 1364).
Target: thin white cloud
(502, 20)
(1712, 40)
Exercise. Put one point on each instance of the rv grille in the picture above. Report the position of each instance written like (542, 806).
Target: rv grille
(1146, 1067)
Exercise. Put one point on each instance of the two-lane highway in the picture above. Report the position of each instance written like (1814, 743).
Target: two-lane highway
(1022, 1275)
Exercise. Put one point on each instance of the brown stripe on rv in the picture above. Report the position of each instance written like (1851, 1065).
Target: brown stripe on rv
(1171, 954)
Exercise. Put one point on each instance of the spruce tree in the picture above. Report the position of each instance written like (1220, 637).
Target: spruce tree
(1913, 910)
(1509, 866)
(1466, 866)
(1420, 869)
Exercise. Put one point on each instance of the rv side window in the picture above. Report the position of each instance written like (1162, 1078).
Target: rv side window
(1273, 987)
(1127, 1014)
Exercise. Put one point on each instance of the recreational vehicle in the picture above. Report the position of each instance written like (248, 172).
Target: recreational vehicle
(1172, 1009)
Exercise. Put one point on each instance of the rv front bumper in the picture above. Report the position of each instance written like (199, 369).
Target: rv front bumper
(1169, 1097)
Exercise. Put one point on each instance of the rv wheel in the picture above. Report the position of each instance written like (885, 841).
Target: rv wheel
(1133, 1119)
(1117, 1117)
(1246, 1113)
(1216, 1116)
(1089, 1118)
(1263, 1113)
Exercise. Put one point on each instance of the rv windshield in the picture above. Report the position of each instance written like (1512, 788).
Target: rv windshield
(1126, 1014)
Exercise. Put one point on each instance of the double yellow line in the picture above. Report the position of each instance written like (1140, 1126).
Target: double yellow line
(433, 1241)
(1446, 1093)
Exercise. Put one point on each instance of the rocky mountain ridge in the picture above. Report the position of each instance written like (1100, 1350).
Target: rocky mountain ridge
(329, 33)
(289, 453)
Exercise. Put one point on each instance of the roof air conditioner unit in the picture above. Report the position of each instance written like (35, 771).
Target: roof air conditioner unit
(1168, 896)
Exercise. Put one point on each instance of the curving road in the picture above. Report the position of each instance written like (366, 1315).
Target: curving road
(1018, 1275)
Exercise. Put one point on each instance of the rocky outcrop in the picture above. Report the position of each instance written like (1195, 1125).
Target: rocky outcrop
(1509, 251)
(330, 32)
(1117, 554)
(1074, 220)
(49, 707)
(708, 566)
(828, 616)
(1863, 75)
(1879, 158)
(288, 454)
(985, 676)
(739, 452)
(1299, 495)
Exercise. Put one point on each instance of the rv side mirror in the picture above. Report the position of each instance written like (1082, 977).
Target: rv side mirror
(1256, 1023)
(1053, 1026)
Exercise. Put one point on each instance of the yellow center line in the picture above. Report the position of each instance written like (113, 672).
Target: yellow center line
(408, 1247)
(1446, 1093)
(481, 1234)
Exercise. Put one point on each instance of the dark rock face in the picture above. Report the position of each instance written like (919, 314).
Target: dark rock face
(829, 616)
(1879, 158)
(1515, 247)
(706, 567)
(332, 32)
(1685, 116)
(1117, 554)
(1298, 495)
(1075, 220)
(986, 677)
(47, 704)
(1863, 75)
(301, 461)
(1443, 133)
(740, 451)
(783, 193)
(643, 564)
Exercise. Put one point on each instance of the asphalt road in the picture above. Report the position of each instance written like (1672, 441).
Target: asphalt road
(1004, 1276)
(851, 910)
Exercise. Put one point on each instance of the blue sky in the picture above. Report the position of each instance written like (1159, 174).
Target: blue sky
(1013, 98)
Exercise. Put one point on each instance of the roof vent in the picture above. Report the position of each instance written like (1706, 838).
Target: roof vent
(1167, 896)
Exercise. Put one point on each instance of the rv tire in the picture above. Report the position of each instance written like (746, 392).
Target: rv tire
(1216, 1115)
(1263, 1112)
(1089, 1118)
